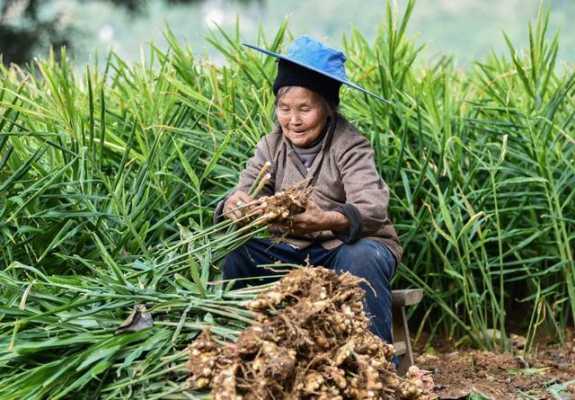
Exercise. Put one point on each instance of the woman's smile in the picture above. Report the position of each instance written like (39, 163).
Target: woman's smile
(301, 115)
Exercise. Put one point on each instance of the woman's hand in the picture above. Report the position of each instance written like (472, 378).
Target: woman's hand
(313, 219)
(234, 203)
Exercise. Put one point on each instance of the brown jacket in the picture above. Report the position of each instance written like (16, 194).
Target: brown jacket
(344, 179)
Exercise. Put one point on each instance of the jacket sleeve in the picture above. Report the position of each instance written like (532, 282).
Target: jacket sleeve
(367, 195)
(248, 176)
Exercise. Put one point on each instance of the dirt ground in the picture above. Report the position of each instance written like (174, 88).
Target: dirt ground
(474, 374)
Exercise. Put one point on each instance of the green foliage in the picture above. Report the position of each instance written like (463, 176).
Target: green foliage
(108, 179)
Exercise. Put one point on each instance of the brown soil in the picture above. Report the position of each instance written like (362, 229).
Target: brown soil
(549, 373)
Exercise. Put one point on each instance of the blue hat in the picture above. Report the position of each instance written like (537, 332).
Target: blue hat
(315, 56)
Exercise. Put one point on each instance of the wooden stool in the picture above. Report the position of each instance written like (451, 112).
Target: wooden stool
(401, 339)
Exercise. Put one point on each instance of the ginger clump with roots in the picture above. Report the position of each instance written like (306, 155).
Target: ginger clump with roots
(280, 207)
(311, 341)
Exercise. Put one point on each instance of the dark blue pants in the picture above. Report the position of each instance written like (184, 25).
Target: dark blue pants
(365, 258)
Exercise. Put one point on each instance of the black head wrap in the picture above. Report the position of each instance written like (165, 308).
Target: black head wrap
(291, 74)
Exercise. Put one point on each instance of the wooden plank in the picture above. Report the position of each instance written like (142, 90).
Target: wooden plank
(407, 359)
(406, 297)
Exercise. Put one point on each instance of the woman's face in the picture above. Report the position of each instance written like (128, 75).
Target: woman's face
(302, 115)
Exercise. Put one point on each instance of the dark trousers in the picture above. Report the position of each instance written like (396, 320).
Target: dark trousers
(365, 258)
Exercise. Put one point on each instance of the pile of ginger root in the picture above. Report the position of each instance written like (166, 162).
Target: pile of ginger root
(311, 341)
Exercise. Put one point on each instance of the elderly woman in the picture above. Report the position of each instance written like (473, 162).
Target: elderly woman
(346, 225)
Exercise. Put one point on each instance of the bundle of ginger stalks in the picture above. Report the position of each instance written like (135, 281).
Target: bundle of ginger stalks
(279, 207)
(311, 341)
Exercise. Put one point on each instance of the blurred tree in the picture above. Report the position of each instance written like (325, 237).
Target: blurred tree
(22, 30)
(27, 26)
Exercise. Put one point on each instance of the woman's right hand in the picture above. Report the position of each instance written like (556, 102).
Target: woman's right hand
(234, 203)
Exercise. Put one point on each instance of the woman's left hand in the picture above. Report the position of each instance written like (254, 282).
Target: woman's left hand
(313, 219)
